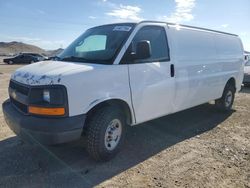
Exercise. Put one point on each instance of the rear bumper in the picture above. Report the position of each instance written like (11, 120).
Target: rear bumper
(45, 130)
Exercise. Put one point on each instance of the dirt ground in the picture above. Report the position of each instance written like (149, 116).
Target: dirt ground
(199, 147)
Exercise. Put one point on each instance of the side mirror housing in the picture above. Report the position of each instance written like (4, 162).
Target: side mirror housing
(143, 50)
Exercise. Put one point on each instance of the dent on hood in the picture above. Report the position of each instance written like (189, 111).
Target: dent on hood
(31, 79)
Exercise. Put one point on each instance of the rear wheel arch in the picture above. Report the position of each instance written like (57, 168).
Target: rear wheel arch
(226, 101)
(231, 82)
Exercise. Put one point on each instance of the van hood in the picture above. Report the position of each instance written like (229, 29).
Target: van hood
(49, 72)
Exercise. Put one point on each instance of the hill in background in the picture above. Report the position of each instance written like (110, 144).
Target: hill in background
(11, 48)
(52, 53)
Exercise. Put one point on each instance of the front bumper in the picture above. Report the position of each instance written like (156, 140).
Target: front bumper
(45, 130)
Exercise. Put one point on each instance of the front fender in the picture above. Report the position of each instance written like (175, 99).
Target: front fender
(97, 102)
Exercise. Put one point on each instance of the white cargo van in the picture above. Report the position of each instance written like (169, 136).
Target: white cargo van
(122, 74)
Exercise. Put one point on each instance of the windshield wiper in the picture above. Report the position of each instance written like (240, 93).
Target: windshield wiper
(73, 58)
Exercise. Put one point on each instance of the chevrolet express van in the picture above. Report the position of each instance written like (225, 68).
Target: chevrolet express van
(122, 74)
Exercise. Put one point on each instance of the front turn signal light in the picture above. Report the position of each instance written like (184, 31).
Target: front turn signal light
(47, 111)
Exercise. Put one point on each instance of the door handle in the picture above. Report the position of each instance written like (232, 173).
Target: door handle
(172, 70)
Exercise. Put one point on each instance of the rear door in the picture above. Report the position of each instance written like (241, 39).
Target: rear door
(152, 80)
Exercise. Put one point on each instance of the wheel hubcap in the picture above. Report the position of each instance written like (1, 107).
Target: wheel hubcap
(113, 134)
(228, 98)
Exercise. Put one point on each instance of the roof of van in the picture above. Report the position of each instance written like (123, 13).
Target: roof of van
(176, 24)
(187, 26)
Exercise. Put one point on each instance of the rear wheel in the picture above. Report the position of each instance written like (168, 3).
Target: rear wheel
(105, 133)
(225, 103)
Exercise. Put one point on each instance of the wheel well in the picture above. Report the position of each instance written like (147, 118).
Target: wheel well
(231, 82)
(116, 103)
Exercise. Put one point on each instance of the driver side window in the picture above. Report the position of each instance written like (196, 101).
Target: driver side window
(156, 35)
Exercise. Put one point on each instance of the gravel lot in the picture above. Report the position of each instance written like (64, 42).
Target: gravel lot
(199, 147)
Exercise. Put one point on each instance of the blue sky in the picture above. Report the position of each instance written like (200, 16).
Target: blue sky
(51, 24)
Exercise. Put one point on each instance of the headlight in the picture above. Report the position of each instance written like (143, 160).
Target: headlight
(48, 100)
(46, 95)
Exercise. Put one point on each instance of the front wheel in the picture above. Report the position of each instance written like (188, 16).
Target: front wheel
(225, 103)
(105, 133)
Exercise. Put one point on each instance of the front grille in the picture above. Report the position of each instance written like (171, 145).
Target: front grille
(19, 88)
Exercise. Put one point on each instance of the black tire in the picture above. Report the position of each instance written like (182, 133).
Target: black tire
(97, 129)
(10, 62)
(225, 103)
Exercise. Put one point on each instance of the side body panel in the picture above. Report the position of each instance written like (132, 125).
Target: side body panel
(196, 61)
(201, 70)
(231, 58)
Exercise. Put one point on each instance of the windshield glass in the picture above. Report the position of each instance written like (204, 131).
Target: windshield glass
(98, 45)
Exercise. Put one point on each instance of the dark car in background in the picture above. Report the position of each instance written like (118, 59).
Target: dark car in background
(24, 58)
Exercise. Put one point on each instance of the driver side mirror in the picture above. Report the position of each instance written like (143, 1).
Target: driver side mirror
(143, 49)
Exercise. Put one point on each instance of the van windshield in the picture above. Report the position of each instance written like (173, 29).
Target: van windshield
(98, 45)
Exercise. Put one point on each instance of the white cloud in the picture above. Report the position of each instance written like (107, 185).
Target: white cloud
(182, 13)
(127, 13)
(224, 25)
(92, 17)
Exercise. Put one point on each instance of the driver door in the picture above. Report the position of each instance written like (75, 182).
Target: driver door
(152, 80)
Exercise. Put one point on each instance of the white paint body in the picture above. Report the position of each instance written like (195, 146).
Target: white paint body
(204, 61)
